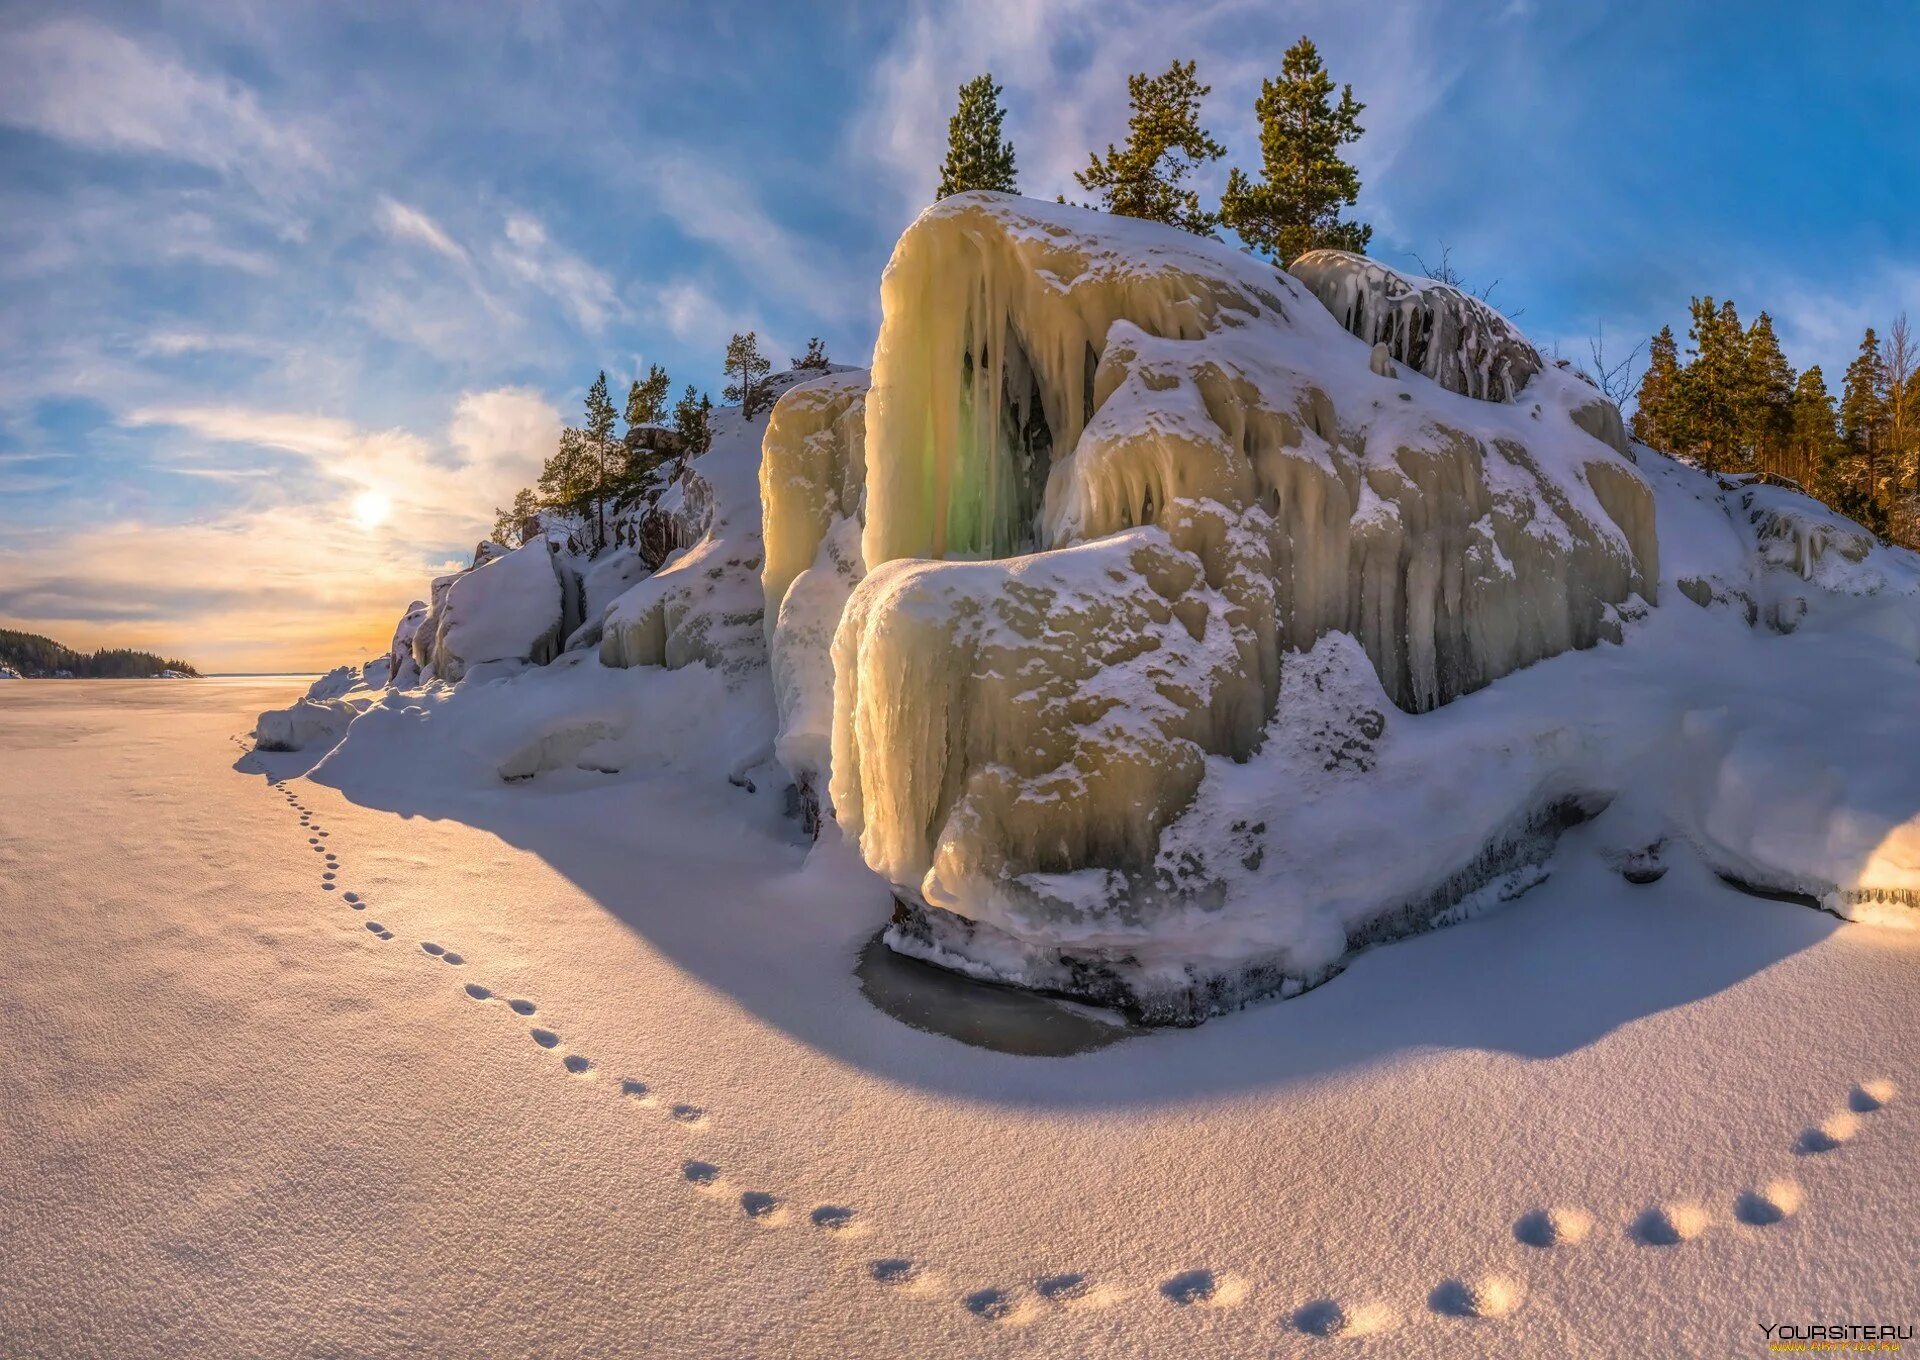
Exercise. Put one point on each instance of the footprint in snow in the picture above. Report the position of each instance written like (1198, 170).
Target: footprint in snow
(430, 947)
(578, 1064)
(1204, 1289)
(1000, 1305)
(1869, 1096)
(763, 1208)
(701, 1175)
(351, 897)
(902, 1273)
(521, 1007)
(1770, 1204)
(328, 876)
(837, 1219)
(1330, 1318)
(376, 928)
(455, 959)
(1559, 1226)
(1073, 1290)
(1668, 1225)
(1829, 1134)
(327, 887)
(546, 1038)
(479, 993)
(1483, 1296)
(691, 1115)
(636, 1091)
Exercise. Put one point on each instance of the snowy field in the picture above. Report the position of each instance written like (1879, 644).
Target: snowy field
(583, 1069)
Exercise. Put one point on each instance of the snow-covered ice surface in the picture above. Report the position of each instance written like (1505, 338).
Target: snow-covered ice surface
(578, 1065)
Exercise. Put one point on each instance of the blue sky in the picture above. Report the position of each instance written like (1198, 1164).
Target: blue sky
(265, 265)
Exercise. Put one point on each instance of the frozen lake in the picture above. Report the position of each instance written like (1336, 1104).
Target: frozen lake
(588, 1070)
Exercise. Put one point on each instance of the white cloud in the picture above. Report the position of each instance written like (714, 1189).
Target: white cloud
(410, 224)
(719, 210)
(586, 293)
(443, 489)
(84, 83)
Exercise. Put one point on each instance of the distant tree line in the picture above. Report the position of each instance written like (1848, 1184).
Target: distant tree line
(1732, 403)
(1290, 205)
(600, 470)
(33, 655)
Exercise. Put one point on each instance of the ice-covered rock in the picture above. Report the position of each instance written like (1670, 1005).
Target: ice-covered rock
(334, 683)
(705, 604)
(309, 723)
(1451, 336)
(509, 608)
(1179, 467)
(812, 487)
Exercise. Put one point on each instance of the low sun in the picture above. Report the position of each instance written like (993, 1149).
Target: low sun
(371, 508)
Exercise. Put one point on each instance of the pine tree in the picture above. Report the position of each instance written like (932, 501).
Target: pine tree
(647, 400)
(749, 368)
(1165, 143)
(643, 452)
(604, 451)
(566, 481)
(1711, 397)
(1863, 416)
(1655, 422)
(509, 523)
(1295, 206)
(1815, 444)
(814, 358)
(1769, 397)
(977, 158)
(691, 422)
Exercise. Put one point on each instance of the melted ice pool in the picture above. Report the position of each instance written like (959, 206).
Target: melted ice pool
(983, 1014)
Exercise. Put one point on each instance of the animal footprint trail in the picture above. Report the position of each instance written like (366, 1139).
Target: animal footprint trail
(1006, 1306)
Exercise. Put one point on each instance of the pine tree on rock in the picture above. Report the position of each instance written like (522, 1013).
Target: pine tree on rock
(1295, 205)
(1165, 143)
(509, 525)
(977, 155)
(815, 358)
(1655, 422)
(748, 368)
(605, 452)
(645, 452)
(691, 423)
(647, 400)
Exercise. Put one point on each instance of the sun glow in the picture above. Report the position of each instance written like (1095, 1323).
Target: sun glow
(371, 508)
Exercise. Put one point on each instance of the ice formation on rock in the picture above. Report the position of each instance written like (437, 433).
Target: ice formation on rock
(1451, 336)
(812, 487)
(1169, 464)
